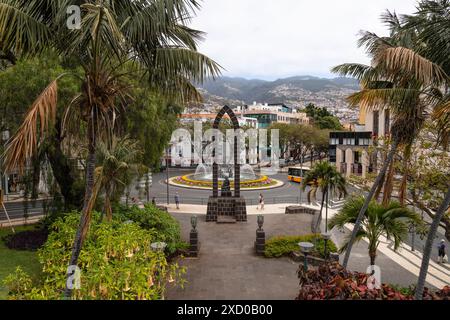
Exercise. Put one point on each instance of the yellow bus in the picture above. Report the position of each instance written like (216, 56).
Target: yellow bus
(296, 174)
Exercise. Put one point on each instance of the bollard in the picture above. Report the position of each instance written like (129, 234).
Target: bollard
(194, 245)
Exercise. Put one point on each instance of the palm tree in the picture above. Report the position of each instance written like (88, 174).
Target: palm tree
(116, 162)
(324, 177)
(443, 209)
(151, 35)
(403, 81)
(391, 221)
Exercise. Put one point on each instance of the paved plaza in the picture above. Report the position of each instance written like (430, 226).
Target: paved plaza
(227, 267)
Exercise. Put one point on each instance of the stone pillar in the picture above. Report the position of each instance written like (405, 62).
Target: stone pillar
(365, 163)
(338, 159)
(215, 180)
(237, 170)
(349, 160)
(194, 245)
(260, 243)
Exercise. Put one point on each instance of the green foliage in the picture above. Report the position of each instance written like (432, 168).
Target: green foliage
(324, 176)
(19, 283)
(283, 246)
(301, 139)
(11, 259)
(151, 218)
(116, 262)
(392, 221)
(151, 121)
(323, 119)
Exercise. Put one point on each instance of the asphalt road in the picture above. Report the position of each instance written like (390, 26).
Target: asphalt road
(16, 209)
(288, 193)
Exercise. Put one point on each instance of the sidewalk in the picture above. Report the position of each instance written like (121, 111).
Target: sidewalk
(251, 210)
(438, 274)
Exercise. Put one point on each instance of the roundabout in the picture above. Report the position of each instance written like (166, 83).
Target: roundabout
(189, 181)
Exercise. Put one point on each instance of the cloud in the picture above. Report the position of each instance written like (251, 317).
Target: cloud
(270, 39)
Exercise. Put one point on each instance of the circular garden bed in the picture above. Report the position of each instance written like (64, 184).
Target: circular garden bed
(189, 181)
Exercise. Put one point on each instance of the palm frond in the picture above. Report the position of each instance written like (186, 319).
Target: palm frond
(21, 29)
(36, 125)
(407, 60)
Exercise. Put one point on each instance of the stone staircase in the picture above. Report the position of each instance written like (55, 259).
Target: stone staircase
(222, 219)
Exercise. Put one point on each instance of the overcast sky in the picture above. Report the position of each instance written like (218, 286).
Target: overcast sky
(272, 39)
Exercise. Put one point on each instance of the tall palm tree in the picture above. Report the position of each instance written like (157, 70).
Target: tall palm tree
(153, 35)
(116, 162)
(391, 221)
(400, 79)
(324, 177)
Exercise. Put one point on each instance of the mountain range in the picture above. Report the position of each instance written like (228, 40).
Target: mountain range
(294, 91)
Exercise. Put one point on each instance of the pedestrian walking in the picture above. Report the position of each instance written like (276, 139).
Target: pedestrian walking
(154, 201)
(442, 251)
(261, 202)
(177, 200)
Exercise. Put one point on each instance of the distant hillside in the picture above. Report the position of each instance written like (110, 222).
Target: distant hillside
(296, 91)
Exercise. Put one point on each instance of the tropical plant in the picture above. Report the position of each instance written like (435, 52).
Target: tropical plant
(152, 35)
(411, 82)
(391, 221)
(152, 218)
(285, 245)
(117, 263)
(324, 177)
(115, 165)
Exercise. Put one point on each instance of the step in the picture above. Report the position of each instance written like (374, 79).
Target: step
(226, 219)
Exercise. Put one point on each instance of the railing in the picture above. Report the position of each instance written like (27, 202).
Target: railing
(249, 200)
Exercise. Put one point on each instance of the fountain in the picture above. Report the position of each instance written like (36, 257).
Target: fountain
(204, 173)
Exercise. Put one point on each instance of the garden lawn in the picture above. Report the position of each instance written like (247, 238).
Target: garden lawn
(11, 259)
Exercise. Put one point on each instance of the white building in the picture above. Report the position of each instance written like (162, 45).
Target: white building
(350, 150)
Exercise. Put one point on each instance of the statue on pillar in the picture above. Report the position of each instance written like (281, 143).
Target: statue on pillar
(226, 188)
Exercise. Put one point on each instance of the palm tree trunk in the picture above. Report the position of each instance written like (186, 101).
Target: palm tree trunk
(321, 210)
(369, 198)
(429, 246)
(388, 185)
(373, 256)
(108, 209)
(85, 216)
(406, 157)
(380, 187)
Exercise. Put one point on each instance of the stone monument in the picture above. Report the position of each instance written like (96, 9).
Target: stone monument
(227, 207)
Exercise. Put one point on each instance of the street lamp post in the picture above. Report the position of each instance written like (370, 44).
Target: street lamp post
(158, 246)
(326, 208)
(302, 174)
(305, 248)
(326, 236)
(167, 174)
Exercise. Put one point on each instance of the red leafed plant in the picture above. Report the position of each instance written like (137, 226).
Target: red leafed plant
(333, 282)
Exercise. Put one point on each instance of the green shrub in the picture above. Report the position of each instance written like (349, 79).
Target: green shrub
(116, 263)
(151, 218)
(285, 245)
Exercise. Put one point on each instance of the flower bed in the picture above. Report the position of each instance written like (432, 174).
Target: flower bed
(262, 182)
(333, 282)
